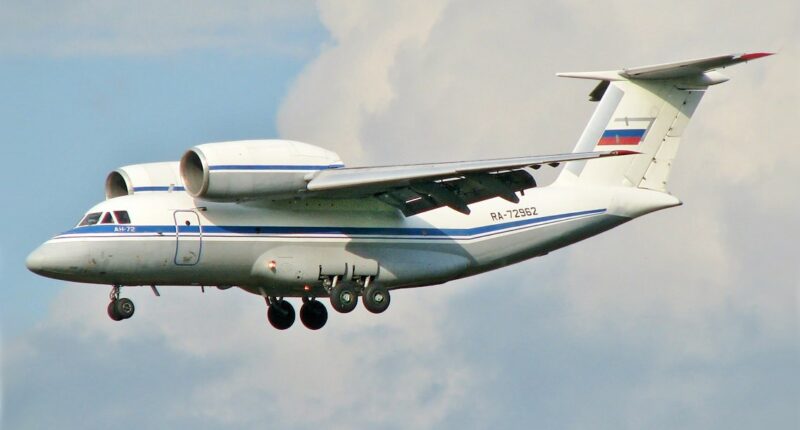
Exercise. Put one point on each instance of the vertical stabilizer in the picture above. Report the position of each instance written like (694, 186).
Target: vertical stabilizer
(644, 109)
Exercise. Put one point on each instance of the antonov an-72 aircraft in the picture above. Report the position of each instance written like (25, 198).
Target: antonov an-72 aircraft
(286, 219)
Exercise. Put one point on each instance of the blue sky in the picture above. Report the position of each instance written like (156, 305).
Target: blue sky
(686, 318)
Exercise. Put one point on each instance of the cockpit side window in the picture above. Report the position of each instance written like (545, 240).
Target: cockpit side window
(107, 219)
(122, 217)
(90, 219)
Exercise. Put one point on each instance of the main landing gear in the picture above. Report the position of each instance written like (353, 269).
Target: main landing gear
(376, 298)
(119, 308)
(313, 314)
(280, 313)
(344, 298)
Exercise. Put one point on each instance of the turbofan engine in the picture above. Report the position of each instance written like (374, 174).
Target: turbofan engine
(139, 178)
(251, 169)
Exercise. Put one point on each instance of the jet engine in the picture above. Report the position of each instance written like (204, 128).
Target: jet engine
(251, 169)
(143, 177)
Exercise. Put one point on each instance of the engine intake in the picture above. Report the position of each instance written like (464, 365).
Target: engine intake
(146, 177)
(251, 169)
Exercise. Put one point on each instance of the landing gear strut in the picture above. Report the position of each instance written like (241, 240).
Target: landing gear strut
(119, 308)
(313, 314)
(280, 313)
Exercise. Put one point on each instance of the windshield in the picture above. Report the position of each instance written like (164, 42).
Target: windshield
(90, 219)
(122, 217)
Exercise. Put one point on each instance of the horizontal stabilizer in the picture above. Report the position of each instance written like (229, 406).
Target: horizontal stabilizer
(677, 70)
(683, 69)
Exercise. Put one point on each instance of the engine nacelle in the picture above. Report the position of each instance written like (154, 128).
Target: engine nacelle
(250, 169)
(139, 178)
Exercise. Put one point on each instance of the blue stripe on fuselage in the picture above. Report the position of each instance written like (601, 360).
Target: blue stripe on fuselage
(213, 230)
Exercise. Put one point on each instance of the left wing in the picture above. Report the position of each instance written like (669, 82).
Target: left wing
(417, 188)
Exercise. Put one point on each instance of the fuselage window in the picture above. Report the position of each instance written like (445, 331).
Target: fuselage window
(90, 219)
(107, 219)
(122, 217)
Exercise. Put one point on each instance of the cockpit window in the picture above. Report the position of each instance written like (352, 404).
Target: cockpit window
(122, 217)
(107, 219)
(90, 219)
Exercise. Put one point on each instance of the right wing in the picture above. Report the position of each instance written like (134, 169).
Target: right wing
(416, 188)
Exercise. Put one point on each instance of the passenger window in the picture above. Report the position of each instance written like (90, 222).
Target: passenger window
(107, 219)
(90, 219)
(122, 217)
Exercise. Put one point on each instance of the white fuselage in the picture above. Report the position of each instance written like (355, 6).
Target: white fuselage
(284, 248)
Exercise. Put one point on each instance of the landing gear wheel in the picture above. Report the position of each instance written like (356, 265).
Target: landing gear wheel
(343, 298)
(124, 308)
(376, 299)
(112, 311)
(280, 314)
(120, 309)
(313, 314)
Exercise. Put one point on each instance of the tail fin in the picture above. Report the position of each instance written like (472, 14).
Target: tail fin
(644, 109)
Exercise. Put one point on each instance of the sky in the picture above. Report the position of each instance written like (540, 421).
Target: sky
(686, 318)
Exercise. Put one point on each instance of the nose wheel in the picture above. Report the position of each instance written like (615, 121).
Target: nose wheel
(119, 308)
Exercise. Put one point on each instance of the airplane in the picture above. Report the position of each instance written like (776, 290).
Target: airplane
(284, 219)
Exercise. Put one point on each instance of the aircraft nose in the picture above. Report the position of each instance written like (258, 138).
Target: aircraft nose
(60, 260)
(52, 260)
(36, 261)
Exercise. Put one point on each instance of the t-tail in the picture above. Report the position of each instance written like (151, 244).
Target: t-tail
(645, 110)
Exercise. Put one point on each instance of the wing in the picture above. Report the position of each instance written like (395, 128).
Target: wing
(417, 188)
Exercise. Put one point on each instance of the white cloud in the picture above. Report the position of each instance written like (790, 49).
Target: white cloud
(379, 366)
(349, 82)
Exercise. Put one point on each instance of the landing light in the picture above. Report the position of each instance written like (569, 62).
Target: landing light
(272, 265)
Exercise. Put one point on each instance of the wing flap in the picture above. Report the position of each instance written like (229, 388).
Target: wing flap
(417, 188)
(458, 194)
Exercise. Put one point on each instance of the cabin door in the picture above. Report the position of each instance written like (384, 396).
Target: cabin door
(189, 238)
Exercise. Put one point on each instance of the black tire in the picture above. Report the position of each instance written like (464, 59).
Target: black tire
(281, 314)
(124, 308)
(313, 314)
(344, 298)
(376, 299)
(112, 311)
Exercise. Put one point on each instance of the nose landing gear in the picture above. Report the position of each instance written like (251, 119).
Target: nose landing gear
(119, 308)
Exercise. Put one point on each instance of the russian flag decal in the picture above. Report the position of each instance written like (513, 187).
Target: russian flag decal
(622, 137)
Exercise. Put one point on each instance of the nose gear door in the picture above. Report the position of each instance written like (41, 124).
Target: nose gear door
(189, 238)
